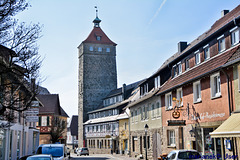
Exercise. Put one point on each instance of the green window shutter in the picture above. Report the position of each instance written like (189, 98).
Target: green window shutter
(39, 121)
(47, 120)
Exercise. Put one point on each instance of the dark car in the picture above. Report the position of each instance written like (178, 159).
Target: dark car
(24, 157)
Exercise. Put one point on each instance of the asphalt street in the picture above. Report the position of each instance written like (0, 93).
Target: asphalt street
(101, 157)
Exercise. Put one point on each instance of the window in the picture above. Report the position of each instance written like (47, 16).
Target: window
(141, 111)
(234, 35)
(90, 48)
(186, 64)
(215, 85)
(153, 110)
(132, 117)
(108, 50)
(98, 38)
(221, 43)
(99, 49)
(136, 117)
(174, 71)
(158, 109)
(179, 67)
(171, 138)
(157, 82)
(179, 97)
(168, 101)
(197, 91)
(197, 58)
(44, 121)
(146, 112)
(206, 52)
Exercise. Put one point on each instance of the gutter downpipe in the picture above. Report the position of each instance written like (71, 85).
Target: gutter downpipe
(229, 101)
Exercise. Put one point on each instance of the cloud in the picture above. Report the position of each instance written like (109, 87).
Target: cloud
(155, 15)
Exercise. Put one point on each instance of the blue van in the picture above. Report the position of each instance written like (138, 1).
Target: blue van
(56, 150)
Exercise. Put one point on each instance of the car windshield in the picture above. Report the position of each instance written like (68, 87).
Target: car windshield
(38, 158)
(54, 151)
(189, 155)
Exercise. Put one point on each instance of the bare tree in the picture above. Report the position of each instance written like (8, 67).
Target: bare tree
(58, 128)
(20, 63)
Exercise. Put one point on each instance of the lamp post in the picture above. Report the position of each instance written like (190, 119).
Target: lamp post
(146, 129)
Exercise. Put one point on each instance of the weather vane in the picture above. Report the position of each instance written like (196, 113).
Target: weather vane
(96, 11)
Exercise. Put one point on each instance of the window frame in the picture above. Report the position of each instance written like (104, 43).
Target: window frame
(197, 57)
(171, 138)
(197, 97)
(235, 31)
(215, 88)
(221, 40)
(180, 97)
(91, 48)
(206, 53)
(168, 104)
(179, 68)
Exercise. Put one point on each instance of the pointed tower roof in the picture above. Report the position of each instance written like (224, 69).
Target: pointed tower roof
(97, 35)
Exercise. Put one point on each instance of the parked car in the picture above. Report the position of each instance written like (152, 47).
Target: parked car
(58, 151)
(40, 157)
(183, 155)
(83, 151)
(25, 157)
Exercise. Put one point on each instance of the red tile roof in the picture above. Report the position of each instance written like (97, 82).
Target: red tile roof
(198, 71)
(97, 31)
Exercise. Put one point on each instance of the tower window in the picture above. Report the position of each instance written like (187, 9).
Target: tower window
(90, 48)
(98, 38)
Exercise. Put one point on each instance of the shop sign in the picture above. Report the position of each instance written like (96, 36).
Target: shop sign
(176, 122)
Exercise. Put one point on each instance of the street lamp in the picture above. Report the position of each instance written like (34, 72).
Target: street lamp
(146, 129)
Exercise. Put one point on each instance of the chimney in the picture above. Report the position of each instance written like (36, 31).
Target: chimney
(124, 91)
(182, 46)
(224, 12)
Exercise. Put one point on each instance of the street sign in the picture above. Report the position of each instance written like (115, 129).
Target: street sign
(31, 118)
(35, 104)
(32, 111)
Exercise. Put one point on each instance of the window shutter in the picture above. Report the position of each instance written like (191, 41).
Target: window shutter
(47, 120)
(39, 121)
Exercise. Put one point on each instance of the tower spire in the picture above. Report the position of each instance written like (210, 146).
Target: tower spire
(96, 21)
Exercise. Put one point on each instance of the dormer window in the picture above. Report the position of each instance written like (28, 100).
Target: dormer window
(157, 82)
(98, 38)
(197, 57)
(174, 71)
(206, 52)
(179, 66)
(221, 43)
(234, 35)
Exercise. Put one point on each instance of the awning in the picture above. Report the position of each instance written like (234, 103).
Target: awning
(229, 128)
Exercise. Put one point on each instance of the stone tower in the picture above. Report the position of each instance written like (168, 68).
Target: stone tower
(97, 73)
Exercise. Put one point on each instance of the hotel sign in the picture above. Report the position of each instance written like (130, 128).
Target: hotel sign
(176, 122)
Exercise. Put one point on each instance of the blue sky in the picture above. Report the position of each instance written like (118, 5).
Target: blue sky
(146, 31)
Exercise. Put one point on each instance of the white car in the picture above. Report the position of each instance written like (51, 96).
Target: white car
(183, 155)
